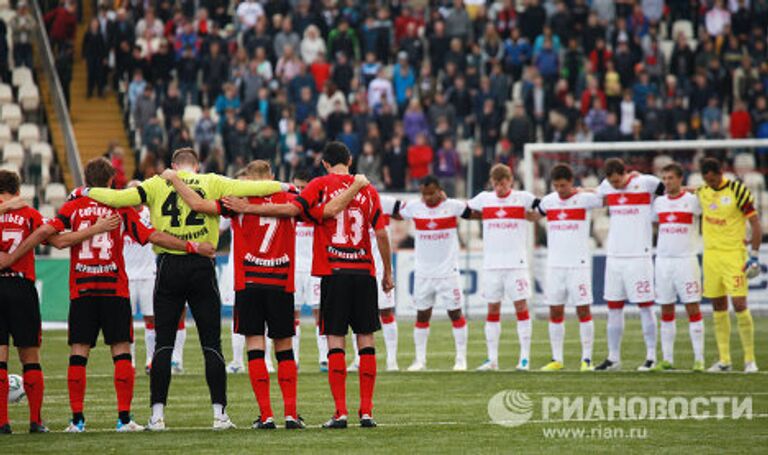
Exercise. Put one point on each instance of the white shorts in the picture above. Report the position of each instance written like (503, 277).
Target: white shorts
(629, 279)
(428, 292)
(568, 286)
(227, 285)
(507, 285)
(386, 299)
(678, 277)
(142, 295)
(307, 290)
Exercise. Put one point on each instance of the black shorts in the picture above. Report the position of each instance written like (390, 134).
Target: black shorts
(349, 300)
(257, 306)
(19, 312)
(111, 315)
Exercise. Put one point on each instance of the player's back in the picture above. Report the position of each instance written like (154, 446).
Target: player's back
(264, 247)
(342, 244)
(15, 226)
(97, 265)
(631, 231)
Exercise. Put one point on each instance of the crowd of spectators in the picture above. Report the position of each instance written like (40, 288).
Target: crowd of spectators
(417, 87)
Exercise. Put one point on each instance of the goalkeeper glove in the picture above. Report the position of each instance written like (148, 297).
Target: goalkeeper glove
(752, 267)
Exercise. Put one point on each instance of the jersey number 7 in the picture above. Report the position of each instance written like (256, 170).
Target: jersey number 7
(171, 208)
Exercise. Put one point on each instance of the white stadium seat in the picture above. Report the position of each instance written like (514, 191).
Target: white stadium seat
(55, 194)
(13, 152)
(10, 114)
(684, 26)
(28, 193)
(29, 97)
(29, 134)
(44, 150)
(21, 75)
(47, 211)
(695, 179)
(191, 115)
(6, 94)
(5, 134)
(12, 167)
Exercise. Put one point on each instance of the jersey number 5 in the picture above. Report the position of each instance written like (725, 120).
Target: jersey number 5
(354, 233)
(170, 208)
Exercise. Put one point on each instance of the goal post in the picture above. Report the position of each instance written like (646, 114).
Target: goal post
(530, 150)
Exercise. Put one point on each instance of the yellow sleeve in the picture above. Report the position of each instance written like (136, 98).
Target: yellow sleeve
(223, 186)
(116, 198)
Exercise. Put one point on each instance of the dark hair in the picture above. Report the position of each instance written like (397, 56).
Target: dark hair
(336, 152)
(710, 165)
(673, 167)
(430, 180)
(561, 171)
(98, 172)
(185, 155)
(614, 166)
(9, 182)
(302, 174)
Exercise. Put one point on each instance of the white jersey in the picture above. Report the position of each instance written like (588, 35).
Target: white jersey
(678, 235)
(389, 207)
(568, 228)
(305, 233)
(227, 277)
(139, 259)
(505, 228)
(630, 232)
(437, 239)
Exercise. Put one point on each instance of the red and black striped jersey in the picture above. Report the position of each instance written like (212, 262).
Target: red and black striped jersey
(96, 266)
(15, 226)
(264, 247)
(342, 244)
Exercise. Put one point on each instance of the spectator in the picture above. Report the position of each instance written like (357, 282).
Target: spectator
(517, 53)
(414, 120)
(403, 80)
(289, 66)
(350, 138)
(227, 100)
(740, 125)
(215, 162)
(188, 69)
(628, 109)
(321, 71)
(248, 13)
(312, 44)
(145, 107)
(369, 164)
(413, 45)
(532, 19)
(711, 114)
(152, 135)
(150, 22)
(172, 106)
(286, 37)
(395, 164)
(265, 145)
(448, 167)
(205, 133)
(458, 23)
(380, 91)
(61, 24)
(329, 99)
(439, 43)
(22, 26)
(343, 39)
(596, 118)
(419, 160)
(238, 144)
(548, 63)
(717, 19)
(95, 53)
(215, 69)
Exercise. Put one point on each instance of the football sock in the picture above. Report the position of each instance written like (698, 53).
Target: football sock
(723, 335)
(337, 378)
(389, 329)
(178, 345)
(524, 332)
(615, 329)
(149, 341)
(556, 337)
(367, 378)
(668, 333)
(76, 382)
(587, 336)
(747, 334)
(257, 371)
(322, 345)
(420, 337)
(286, 376)
(296, 341)
(696, 330)
(218, 411)
(648, 321)
(34, 387)
(238, 344)
(492, 336)
(460, 335)
(158, 412)
(4, 389)
(124, 380)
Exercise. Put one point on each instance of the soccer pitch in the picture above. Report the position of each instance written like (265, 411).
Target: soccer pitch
(417, 412)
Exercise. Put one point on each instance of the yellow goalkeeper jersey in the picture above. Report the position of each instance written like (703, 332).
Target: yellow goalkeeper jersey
(169, 213)
(724, 214)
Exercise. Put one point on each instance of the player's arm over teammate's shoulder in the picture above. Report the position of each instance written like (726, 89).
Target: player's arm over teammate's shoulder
(13, 203)
(195, 201)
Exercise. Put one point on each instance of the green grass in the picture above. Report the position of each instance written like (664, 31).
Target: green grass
(417, 412)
